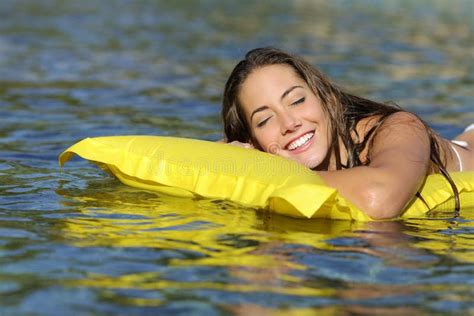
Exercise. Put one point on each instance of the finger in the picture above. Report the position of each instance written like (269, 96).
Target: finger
(277, 150)
(239, 144)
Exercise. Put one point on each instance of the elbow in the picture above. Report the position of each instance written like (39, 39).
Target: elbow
(381, 203)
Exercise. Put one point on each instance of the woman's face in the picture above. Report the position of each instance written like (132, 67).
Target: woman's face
(284, 115)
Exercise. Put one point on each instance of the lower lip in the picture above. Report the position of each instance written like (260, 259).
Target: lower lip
(302, 148)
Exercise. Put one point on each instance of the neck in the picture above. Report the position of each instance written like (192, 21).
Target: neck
(330, 162)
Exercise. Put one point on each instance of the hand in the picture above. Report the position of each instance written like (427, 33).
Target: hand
(243, 145)
(276, 149)
(222, 140)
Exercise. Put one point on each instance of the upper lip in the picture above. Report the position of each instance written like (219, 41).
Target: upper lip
(301, 135)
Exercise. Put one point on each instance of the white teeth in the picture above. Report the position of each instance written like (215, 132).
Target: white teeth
(300, 141)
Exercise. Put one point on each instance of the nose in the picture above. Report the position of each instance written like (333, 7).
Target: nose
(288, 123)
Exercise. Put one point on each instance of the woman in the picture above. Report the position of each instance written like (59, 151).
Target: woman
(376, 155)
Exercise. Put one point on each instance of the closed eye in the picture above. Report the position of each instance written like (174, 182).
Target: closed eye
(262, 123)
(298, 101)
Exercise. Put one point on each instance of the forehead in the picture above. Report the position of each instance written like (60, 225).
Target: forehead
(268, 83)
(272, 75)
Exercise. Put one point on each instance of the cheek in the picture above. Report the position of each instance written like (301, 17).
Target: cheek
(316, 113)
(265, 139)
(314, 108)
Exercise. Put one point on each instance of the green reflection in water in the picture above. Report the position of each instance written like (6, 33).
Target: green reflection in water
(256, 251)
(75, 69)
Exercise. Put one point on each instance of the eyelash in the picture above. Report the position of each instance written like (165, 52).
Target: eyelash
(298, 101)
(262, 123)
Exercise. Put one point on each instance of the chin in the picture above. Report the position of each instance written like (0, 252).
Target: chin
(310, 163)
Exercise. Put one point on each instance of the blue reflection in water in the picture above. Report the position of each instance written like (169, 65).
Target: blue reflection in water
(80, 242)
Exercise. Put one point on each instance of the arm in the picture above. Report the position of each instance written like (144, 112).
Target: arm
(399, 163)
(235, 143)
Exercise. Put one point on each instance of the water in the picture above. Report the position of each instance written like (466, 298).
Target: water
(81, 243)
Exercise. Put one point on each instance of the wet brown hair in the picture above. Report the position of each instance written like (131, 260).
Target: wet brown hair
(344, 111)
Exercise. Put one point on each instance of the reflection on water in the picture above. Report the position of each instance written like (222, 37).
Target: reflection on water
(80, 242)
(219, 253)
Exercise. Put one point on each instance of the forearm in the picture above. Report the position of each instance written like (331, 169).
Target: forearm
(376, 191)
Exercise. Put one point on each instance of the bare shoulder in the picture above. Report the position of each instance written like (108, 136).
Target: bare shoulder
(397, 157)
(398, 133)
(401, 139)
(403, 125)
(394, 121)
(405, 120)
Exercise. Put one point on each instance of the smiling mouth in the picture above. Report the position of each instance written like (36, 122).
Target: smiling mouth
(301, 141)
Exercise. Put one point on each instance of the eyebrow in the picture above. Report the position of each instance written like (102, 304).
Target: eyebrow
(288, 91)
(264, 107)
